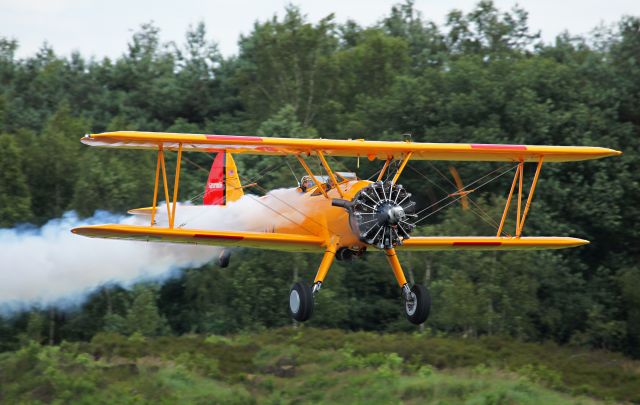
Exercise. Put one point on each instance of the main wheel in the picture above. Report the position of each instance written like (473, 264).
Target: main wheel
(301, 302)
(418, 307)
(224, 257)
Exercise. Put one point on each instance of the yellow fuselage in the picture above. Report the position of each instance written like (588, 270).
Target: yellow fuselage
(316, 216)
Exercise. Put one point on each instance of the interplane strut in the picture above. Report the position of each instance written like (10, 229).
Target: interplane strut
(518, 178)
(171, 205)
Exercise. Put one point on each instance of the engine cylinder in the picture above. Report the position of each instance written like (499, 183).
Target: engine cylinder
(380, 214)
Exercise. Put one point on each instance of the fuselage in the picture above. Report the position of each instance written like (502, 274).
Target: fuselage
(316, 216)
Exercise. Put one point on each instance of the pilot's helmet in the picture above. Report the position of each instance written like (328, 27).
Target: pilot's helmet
(306, 182)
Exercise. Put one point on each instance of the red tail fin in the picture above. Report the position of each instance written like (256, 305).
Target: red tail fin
(215, 190)
(223, 185)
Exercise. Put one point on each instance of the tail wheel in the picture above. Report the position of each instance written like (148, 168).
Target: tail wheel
(418, 306)
(224, 257)
(301, 302)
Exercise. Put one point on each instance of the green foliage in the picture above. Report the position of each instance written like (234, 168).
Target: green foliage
(143, 317)
(483, 77)
(541, 374)
(69, 373)
(288, 62)
(15, 198)
(313, 366)
(106, 174)
(114, 323)
(384, 362)
(35, 328)
(55, 155)
(630, 286)
(284, 123)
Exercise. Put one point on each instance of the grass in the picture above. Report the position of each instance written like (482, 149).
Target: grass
(312, 365)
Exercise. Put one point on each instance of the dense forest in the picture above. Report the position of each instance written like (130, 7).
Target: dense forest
(482, 77)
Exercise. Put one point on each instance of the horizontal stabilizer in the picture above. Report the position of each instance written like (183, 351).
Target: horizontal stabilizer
(266, 240)
(141, 211)
(489, 243)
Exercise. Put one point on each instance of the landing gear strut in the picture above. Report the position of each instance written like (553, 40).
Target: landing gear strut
(417, 301)
(301, 295)
(224, 257)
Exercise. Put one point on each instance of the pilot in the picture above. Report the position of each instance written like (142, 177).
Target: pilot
(306, 182)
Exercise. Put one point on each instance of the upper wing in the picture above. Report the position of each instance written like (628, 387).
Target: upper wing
(489, 243)
(353, 148)
(272, 241)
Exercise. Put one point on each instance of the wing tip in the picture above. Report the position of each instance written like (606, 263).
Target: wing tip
(608, 152)
(80, 230)
(141, 211)
(580, 242)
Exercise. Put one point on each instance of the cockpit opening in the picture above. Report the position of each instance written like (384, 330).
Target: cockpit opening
(307, 183)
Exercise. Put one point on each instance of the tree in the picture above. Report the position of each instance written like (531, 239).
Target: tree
(273, 171)
(287, 62)
(284, 123)
(143, 316)
(105, 181)
(35, 327)
(52, 170)
(630, 283)
(486, 32)
(198, 87)
(15, 199)
(427, 45)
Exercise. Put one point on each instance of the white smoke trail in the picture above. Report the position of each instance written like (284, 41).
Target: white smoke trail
(52, 266)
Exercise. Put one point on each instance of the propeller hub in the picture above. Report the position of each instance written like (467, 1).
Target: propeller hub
(395, 214)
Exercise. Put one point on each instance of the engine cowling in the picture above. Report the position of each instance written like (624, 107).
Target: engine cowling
(379, 214)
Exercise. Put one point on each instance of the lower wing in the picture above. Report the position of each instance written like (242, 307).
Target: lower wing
(488, 243)
(272, 241)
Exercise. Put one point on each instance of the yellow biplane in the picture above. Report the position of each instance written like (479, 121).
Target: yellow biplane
(340, 216)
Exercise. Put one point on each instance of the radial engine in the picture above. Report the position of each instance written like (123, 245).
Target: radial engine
(379, 214)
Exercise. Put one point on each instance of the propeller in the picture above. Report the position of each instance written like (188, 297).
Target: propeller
(380, 214)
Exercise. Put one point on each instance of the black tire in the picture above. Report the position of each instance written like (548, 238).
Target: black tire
(224, 258)
(300, 302)
(418, 312)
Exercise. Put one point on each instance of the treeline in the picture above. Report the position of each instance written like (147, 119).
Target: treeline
(482, 77)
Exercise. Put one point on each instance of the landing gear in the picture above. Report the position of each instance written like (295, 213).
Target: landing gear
(349, 254)
(301, 295)
(223, 259)
(417, 303)
(301, 302)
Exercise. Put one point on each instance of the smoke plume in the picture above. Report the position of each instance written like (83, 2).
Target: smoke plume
(52, 266)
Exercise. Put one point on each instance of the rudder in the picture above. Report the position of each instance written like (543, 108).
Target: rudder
(223, 184)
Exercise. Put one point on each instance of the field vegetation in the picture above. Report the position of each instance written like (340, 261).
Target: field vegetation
(293, 365)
